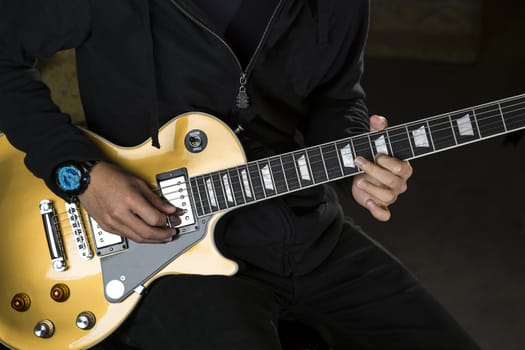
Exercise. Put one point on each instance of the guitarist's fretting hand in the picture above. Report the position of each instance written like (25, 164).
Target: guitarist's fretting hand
(383, 181)
(124, 204)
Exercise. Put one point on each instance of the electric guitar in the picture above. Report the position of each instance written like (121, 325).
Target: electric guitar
(68, 284)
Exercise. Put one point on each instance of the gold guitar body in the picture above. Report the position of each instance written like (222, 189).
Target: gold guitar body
(25, 263)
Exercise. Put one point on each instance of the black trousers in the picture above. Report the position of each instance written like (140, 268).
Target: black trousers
(359, 298)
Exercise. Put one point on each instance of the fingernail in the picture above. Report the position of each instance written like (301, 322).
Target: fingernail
(359, 161)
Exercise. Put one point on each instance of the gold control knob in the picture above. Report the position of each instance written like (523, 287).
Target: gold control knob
(59, 292)
(21, 302)
(86, 320)
(44, 329)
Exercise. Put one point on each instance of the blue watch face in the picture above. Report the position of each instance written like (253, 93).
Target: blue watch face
(69, 178)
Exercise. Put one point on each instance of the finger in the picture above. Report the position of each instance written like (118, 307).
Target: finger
(156, 201)
(150, 213)
(377, 193)
(382, 175)
(361, 197)
(378, 122)
(396, 166)
(139, 231)
(380, 212)
(377, 209)
(120, 227)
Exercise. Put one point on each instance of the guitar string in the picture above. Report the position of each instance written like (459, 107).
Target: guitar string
(496, 117)
(487, 128)
(266, 161)
(499, 125)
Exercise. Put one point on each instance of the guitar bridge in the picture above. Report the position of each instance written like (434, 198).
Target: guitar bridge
(79, 233)
(53, 236)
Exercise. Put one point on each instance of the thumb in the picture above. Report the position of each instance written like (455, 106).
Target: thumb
(378, 122)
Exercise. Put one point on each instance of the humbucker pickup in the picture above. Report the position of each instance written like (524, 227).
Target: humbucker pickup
(173, 186)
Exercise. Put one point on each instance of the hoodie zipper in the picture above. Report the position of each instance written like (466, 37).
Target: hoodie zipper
(242, 100)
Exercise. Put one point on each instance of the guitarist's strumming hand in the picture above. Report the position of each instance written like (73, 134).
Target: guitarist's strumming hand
(382, 182)
(123, 204)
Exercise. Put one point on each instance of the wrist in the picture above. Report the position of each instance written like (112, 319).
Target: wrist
(73, 177)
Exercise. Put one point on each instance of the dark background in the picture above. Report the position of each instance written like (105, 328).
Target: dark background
(461, 225)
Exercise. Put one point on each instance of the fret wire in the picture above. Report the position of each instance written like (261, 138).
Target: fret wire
(207, 192)
(270, 170)
(198, 192)
(227, 203)
(208, 202)
(316, 163)
(221, 188)
(389, 142)
(284, 174)
(237, 185)
(294, 170)
(297, 171)
(230, 183)
(263, 185)
(268, 191)
(203, 203)
(512, 113)
(354, 153)
(431, 138)
(410, 141)
(241, 184)
(338, 158)
(253, 170)
(328, 157)
(206, 189)
(214, 191)
(371, 147)
(279, 174)
(230, 186)
(323, 161)
(489, 121)
(502, 117)
(250, 182)
(476, 121)
(309, 165)
(452, 128)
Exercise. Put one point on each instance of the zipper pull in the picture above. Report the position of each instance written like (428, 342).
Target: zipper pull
(243, 100)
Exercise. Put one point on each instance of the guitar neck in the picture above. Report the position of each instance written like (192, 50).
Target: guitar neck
(278, 175)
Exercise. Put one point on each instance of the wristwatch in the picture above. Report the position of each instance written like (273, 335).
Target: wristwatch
(73, 178)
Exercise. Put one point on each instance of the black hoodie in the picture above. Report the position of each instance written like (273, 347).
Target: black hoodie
(142, 62)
